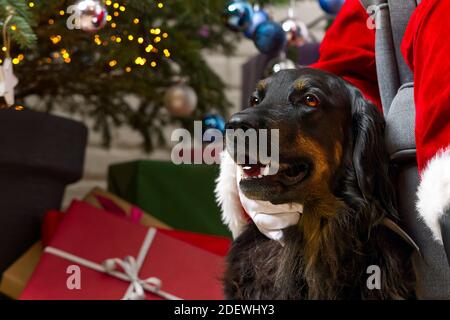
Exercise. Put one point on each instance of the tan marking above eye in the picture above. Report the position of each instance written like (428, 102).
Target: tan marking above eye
(261, 86)
(300, 85)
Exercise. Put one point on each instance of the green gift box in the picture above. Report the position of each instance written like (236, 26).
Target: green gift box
(182, 196)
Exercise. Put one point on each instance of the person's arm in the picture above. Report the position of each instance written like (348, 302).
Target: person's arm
(348, 50)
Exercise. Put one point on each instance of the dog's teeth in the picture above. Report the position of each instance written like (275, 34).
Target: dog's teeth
(260, 176)
(266, 170)
(247, 167)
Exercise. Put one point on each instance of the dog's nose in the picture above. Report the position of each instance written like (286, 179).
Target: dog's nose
(243, 121)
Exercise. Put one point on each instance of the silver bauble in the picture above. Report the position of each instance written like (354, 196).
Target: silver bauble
(91, 15)
(277, 64)
(296, 32)
(180, 100)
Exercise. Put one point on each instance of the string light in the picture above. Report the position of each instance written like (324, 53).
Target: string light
(158, 36)
(140, 61)
(155, 31)
(97, 40)
(55, 39)
(65, 54)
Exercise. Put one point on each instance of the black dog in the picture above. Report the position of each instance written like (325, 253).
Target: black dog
(333, 161)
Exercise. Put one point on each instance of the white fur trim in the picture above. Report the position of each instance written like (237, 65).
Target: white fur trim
(233, 214)
(434, 191)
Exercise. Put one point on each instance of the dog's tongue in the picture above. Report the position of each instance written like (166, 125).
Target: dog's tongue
(253, 170)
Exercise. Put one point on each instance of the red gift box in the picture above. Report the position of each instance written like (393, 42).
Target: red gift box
(88, 237)
(215, 244)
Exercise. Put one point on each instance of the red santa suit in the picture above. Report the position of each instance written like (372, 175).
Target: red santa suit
(348, 51)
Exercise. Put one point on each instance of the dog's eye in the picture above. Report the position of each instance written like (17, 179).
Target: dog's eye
(311, 100)
(254, 101)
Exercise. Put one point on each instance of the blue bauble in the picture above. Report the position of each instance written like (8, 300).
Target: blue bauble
(269, 37)
(331, 6)
(259, 17)
(238, 15)
(213, 121)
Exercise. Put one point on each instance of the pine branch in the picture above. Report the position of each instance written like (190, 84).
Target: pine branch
(23, 35)
(22, 21)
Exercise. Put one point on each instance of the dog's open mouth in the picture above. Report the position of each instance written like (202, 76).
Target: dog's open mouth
(287, 174)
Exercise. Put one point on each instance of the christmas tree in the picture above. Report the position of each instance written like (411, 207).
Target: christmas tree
(117, 74)
(144, 48)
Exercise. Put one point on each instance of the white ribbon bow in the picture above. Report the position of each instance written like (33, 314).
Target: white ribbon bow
(131, 270)
(128, 271)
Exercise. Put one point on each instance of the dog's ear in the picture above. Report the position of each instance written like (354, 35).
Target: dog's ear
(370, 158)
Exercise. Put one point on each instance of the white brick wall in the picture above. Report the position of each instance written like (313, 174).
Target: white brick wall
(126, 143)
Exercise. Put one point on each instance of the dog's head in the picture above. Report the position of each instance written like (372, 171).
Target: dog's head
(330, 140)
